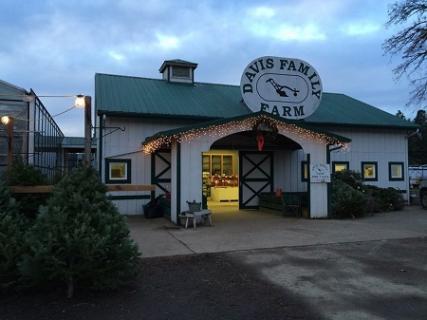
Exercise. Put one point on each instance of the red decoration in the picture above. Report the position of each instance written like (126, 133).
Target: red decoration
(260, 141)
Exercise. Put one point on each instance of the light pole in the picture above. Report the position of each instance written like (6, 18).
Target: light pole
(8, 122)
(86, 102)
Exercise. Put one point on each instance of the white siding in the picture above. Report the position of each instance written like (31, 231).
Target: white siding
(381, 146)
(287, 170)
(378, 145)
(127, 145)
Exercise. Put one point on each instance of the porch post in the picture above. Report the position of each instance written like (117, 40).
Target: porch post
(175, 181)
(318, 191)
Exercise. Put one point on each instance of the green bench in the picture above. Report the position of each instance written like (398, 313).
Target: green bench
(290, 203)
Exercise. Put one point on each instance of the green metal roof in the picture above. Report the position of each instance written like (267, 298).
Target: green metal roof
(143, 97)
(336, 108)
(152, 97)
(75, 142)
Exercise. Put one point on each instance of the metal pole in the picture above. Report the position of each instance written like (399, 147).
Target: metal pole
(9, 129)
(88, 131)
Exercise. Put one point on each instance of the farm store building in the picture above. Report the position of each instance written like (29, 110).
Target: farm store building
(200, 141)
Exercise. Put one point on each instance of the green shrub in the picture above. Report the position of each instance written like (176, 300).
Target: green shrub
(346, 202)
(377, 199)
(352, 178)
(22, 174)
(79, 238)
(12, 228)
(384, 199)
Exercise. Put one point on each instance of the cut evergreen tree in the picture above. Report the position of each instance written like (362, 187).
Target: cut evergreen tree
(79, 238)
(12, 228)
(22, 174)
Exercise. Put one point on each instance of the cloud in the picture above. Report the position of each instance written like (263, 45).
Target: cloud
(116, 56)
(361, 28)
(305, 33)
(167, 41)
(262, 12)
(56, 46)
(286, 32)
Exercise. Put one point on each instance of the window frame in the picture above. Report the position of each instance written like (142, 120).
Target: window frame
(390, 164)
(303, 178)
(375, 163)
(182, 68)
(128, 179)
(347, 163)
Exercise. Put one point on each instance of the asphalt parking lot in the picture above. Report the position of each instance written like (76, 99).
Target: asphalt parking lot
(381, 279)
(375, 280)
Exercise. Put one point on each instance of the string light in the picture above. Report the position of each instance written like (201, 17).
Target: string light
(225, 129)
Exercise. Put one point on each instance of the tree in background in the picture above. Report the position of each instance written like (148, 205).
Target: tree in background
(417, 143)
(401, 115)
(411, 43)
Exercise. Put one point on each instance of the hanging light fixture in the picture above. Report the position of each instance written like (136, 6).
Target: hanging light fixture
(5, 120)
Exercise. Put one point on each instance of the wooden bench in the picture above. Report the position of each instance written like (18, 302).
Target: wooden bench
(290, 203)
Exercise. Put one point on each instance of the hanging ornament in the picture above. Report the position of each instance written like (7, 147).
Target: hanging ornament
(260, 141)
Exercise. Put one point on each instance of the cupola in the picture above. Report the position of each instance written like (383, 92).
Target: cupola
(178, 71)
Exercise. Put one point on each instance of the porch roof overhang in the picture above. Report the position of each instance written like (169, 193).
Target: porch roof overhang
(164, 139)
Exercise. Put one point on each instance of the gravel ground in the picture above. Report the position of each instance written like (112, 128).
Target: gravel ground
(187, 287)
(375, 280)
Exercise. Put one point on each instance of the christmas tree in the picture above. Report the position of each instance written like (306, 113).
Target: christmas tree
(12, 228)
(79, 238)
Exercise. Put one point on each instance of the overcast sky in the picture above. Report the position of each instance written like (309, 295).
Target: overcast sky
(56, 47)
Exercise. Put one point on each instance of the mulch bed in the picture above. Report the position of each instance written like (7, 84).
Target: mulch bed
(187, 287)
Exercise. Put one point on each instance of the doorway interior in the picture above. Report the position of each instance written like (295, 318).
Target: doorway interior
(220, 174)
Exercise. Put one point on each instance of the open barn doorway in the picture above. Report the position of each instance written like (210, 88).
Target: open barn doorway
(235, 172)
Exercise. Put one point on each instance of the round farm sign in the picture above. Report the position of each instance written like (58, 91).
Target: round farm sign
(286, 87)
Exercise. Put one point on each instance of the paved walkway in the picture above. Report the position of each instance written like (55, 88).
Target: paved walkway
(246, 230)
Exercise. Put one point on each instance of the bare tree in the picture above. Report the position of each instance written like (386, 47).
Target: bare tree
(411, 43)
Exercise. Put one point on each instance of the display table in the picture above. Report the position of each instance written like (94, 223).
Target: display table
(225, 193)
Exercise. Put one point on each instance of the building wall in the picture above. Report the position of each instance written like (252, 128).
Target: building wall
(287, 170)
(378, 145)
(368, 145)
(382, 146)
(127, 144)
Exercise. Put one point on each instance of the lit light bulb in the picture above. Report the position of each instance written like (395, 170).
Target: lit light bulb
(80, 101)
(5, 120)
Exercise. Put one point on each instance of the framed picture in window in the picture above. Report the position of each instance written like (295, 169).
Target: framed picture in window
(370, 171)
(395, 171)
(338, 166)
(117, 171)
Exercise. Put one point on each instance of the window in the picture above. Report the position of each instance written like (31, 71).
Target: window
(395, 171)
(304, 171)
(117, 170)
(370, 171)
(338, 166)
(180, 72)
(218, 164)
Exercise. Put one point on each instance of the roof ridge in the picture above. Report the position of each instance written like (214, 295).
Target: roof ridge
(195, 82)
(156, 79)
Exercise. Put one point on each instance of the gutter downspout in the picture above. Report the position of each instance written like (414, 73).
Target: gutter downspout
(328, 161)
(99, 149)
